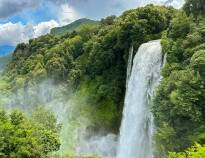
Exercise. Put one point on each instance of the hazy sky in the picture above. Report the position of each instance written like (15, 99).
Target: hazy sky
(24, 19)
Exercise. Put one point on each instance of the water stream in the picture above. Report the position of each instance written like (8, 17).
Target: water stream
(137, 124)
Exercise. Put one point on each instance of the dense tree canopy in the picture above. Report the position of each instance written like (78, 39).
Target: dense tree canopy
(21, 137)
(179, 103)
(197, 151)
(195, 7)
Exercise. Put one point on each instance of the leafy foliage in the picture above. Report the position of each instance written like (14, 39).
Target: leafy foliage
(195, 7)
(22, 137)
(197, 151)
(179, 103)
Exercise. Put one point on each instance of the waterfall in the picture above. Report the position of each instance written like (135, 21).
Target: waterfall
(137, 124)
(129, 65)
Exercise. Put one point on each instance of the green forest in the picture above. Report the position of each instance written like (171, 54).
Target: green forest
(89, 64)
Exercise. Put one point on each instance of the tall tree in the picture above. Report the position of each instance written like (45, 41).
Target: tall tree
(195, 7)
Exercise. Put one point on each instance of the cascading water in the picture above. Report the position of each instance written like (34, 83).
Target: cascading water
(129, 65)
(137, 125)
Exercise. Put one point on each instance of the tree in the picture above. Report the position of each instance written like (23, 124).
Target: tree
(179, 102)
(198, 62)
(197, 151)
(180, 26)
(22, 138)
(108, 20)
(195, 7)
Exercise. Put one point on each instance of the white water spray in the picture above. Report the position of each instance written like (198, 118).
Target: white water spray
(137, 124)
(104, 146)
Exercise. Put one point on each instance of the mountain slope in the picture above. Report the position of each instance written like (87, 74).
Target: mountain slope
(75, 26)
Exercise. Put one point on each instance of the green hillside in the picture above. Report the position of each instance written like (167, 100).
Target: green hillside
(74, 26)
(92, 60)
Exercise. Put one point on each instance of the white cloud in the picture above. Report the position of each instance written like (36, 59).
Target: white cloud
(177, 3)
(67, 14)
(96, 9)
(138, 3)
(44, 27)
(14, 33)
(89, 8)
(10, 33)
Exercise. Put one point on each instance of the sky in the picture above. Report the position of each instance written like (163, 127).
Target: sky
(21, 20)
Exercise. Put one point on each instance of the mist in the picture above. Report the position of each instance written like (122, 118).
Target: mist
(75, 136)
